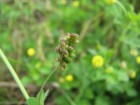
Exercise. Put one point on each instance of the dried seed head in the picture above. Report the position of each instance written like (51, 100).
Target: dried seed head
(66, 59)
(72, 55)
(65, 49)
(70, 49)
(63, 65)
(57, 49)
(65, 52)
(73, 38)
(59, 59)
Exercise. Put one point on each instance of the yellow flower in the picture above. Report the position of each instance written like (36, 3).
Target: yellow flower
(75, 3)
(63, 1)
(108, 70)
(110, 2)
(123, 64)
(138, 59)
(134, 52)
(61, 80)
(132, 74)
(69, 78)
(31, 52)
(98, 61)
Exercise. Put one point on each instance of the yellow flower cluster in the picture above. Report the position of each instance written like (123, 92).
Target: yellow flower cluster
(138, 59)
(69, 77)
(98, 61)
(110, 2)
(31, 52)
(123, 64)
(61, 80)
(134, 52)
(132, 74)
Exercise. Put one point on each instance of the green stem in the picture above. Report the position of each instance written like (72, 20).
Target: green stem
(15, 76)
(68, 98)
(46, 80)
(124, 32)
(121, 6)
(121, 39)
(134, 2)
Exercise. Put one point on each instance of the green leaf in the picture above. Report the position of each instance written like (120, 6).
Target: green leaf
(41, 97)
(122, 76)
(33, 101)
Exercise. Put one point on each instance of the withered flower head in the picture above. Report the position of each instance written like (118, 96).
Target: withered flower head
(65, 49)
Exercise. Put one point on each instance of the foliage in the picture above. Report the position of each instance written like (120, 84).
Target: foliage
(110, 30)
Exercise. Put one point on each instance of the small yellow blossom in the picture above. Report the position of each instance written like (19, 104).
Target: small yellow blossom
(61, 80)
(75, 3)
(123, 64)
(63, 1)
(110, 2)
(98, 61)
(134, 52)
(31, 52)
(108, 70)
(138, 59)
(69, 78)
(132, 74)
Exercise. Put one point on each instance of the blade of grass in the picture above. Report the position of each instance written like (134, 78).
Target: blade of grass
(13, 73)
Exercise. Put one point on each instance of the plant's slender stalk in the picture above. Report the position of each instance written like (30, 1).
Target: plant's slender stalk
(134, 2)
(15, 76)
(46, 80)
(68, 98)
(121, 6)
(120, 40)
(125, 31)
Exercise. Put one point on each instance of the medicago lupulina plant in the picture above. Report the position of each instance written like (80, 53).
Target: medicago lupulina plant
(66, 52)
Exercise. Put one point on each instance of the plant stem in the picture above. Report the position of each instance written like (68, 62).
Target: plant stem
(121, 6)
(15, 76)
(46, 80)
(68, 98)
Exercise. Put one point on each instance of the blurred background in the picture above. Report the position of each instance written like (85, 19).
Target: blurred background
(106, 69)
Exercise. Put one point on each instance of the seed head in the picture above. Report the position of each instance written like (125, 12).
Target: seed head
(66, 49)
